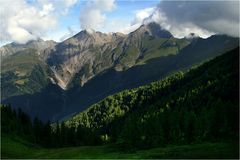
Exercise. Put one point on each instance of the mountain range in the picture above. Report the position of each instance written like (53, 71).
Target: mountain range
(53, 80)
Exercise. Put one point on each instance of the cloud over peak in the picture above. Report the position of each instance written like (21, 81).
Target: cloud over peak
(93, 14)
(202, 17)
(24, 20)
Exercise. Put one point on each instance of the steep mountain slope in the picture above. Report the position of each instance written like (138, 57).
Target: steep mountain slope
(92, 65)
(139, 42)
(200, 105)
(23, 73)
(27, 81)
(112, 81)
(22, 69)
(87, 53)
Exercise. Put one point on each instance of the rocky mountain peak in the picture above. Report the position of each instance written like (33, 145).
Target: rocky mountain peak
(86, 53)
(153, 29)
(89, 37)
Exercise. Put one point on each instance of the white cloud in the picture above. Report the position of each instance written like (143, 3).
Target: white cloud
(130, 28)
(92, 19)
(71, 32)
(178, 30)
(93, 14)
(138, 20)
(61, 6)
(69, 3)
(22, 21)
(202, 17)
(140, 15)
(118, 25)
(125, 25)
(47, 8)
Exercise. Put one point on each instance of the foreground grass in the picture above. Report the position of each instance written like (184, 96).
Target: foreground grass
(17, 148)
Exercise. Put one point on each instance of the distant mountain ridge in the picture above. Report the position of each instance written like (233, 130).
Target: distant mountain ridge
(39, 44)
(91, 65)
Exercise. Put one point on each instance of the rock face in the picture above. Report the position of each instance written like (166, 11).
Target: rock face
(80, 58)
(86, 53)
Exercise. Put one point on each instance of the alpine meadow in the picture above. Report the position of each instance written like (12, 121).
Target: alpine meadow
(117, 79)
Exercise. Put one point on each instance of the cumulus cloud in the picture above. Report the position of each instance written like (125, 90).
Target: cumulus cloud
(138, 19)
(62, 6)
(22, 21)
(202, 17)
(140, 15)
(93, 14)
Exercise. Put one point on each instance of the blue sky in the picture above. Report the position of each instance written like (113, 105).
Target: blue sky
(124, 11)
(24, 20)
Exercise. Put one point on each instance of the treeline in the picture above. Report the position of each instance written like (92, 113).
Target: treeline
(18, 123)
(200, 105)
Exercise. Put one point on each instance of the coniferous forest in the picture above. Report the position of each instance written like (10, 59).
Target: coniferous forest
(119, 79)
(200, 105)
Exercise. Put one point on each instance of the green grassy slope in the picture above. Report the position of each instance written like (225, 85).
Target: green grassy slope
(13, 147)
(25, 83)
(155, 48)
(23, 73)
(148, 47)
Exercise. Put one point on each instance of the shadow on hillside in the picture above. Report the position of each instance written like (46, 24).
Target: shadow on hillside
(54, 103)
(43, 104)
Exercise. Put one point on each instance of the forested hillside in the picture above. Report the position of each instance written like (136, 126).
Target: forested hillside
(184, 108)
(148, 70)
